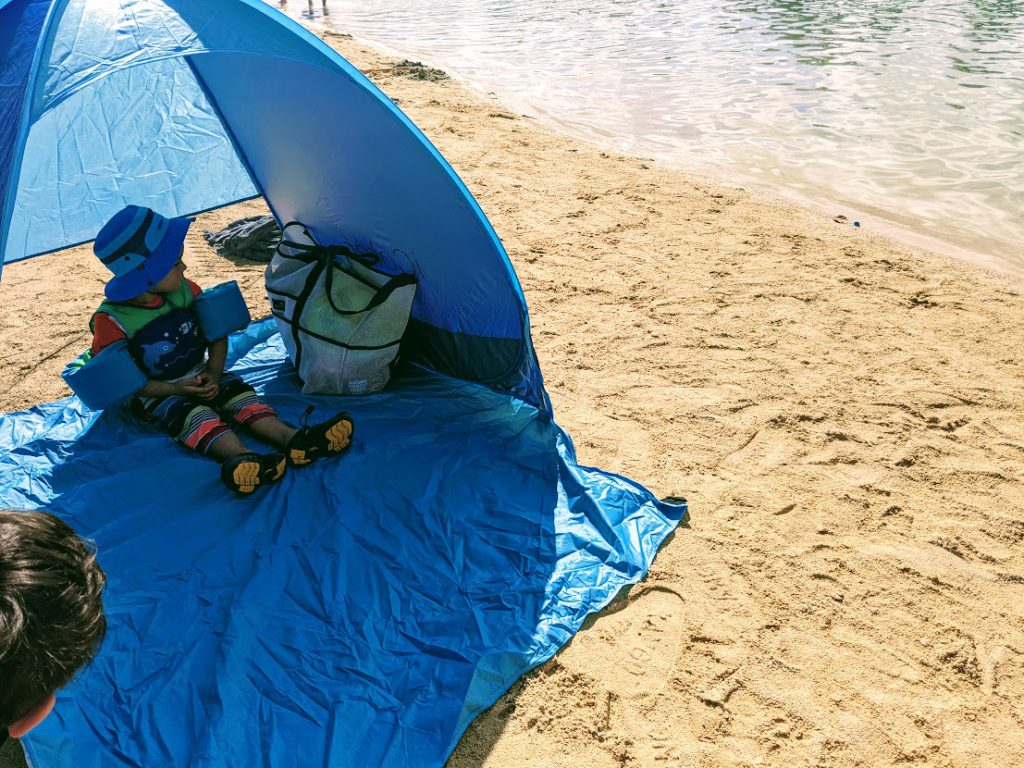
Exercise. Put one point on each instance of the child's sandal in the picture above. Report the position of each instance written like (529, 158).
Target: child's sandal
(246, 472)
(328, 438)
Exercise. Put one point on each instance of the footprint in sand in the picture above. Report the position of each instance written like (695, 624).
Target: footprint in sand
(636, 647)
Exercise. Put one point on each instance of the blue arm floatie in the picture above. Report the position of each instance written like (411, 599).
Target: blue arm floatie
(106, 379)
(221, 310)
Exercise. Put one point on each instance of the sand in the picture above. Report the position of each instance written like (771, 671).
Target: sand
(844, 413)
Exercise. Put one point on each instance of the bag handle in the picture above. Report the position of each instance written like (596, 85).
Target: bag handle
(382, 294)
(317, 251)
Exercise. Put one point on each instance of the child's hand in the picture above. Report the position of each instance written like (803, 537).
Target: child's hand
(195, 387)
(209, 381)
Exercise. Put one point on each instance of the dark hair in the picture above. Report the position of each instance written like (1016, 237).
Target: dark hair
(51, 609)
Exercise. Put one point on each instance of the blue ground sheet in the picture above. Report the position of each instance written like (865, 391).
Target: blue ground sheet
(361, 612)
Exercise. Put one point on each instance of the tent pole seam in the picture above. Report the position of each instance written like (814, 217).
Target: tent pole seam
(14, 172)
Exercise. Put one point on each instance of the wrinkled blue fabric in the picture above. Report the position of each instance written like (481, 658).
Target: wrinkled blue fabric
(361, 612)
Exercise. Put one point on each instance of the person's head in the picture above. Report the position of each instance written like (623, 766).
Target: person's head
(171, 282)
(143, 250)
(51, 614)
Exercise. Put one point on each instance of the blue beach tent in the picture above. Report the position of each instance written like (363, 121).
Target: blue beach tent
(364, 610)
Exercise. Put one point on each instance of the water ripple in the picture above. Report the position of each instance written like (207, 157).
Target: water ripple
(915, 108)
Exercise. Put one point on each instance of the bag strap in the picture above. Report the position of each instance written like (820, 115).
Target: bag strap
(307, 288)
(382, 294)
(304, 251)
(312, 250)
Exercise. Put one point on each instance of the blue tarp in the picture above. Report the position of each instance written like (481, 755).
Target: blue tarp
(360, 612)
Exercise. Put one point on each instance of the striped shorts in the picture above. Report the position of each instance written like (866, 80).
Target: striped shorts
(197, 423)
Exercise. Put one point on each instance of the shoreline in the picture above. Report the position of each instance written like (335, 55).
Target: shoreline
(844, 413)
(822, 202)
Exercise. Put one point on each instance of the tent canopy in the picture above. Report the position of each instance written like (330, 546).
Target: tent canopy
(186, 106)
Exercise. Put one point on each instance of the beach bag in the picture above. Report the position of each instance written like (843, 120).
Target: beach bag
(340, 317)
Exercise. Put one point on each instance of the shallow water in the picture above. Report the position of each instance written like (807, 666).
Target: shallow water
(911, 112)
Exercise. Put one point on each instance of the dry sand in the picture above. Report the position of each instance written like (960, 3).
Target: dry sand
(844, 413)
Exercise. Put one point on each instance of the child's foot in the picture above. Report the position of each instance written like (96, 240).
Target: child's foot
(328, 438)
(246, 472)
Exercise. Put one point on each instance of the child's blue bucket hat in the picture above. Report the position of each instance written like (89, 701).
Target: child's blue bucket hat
(140, 247)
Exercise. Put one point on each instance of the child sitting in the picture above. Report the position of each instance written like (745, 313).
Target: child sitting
(51, 614)
(188, 393)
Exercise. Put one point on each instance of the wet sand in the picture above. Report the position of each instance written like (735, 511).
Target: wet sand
(845, 414)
